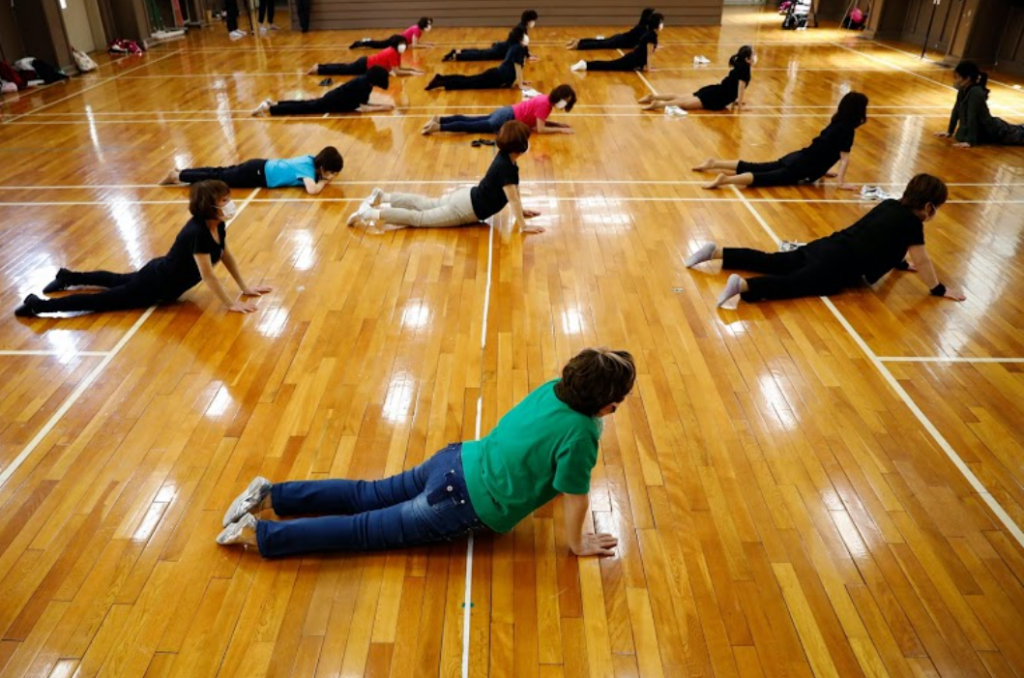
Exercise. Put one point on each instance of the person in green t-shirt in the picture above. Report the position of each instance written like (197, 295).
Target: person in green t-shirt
(545, 446)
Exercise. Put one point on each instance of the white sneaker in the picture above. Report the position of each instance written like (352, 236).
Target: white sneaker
(789, 245)
(364, 216)
(580, 65)
(704, 60)
(251, 497)
(234, 533)
(236, 35)
(263, 30)
(675, 112)
(374, 200)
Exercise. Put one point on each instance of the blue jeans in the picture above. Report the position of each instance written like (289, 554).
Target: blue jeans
(426, 504)
(483, 124)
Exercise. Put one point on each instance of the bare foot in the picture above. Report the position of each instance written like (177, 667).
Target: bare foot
(705, 166)
(653, 106)
(431, 127)
(314, 71)
(171, 179)
(572, 44)
(262, 109)
(719, 180)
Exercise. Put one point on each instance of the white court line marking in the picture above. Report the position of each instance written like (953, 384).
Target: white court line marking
(892, 65)
(85, 89)
(939, 63)
(467, 604)
(943, 444)
(949, 359)
(69, 352)
(82, 387)
(9, 471)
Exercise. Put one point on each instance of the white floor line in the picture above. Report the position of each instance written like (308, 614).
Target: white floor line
(70, 352)
(892, 65)
(940, 64)
(82, 387)
(646, 81)
(941, 441)
(947, 359)
(86, 89)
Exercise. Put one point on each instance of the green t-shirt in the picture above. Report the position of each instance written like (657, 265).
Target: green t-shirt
(541, 448)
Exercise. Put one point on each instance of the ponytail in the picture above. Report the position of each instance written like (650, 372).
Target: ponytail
(741, 56)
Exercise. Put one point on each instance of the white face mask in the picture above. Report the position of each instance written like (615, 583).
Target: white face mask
(531, 24)
(561, 105)
(427, 29)
(401, 48)
(661, 27)
(229, 210)
(526, 40)
(753, 59)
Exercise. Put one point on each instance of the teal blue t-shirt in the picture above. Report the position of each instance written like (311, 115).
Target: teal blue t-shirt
(540, 449)
(289, 172)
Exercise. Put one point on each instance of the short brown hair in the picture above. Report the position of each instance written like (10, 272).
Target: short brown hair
(514, 137)
(596, 378)
(563, 93)
(328, 160)
(204, 196)
(924, 189)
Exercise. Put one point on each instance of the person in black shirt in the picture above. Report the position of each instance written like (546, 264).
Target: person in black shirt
(971, 122)
(508, 74)
(497, 50)
(499, 187)
(628, 40)
(351, 97)
(199, 246)
(712, 97)
(806, 165)
(890, 236)
(640, 59)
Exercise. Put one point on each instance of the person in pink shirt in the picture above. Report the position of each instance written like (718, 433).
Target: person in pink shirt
(532, 112)
(413, 35)
(390, 59)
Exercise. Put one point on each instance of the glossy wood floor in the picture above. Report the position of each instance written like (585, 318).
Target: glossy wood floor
(787, 482)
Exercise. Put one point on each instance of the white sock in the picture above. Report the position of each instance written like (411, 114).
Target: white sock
(700, 256)
(732, 288)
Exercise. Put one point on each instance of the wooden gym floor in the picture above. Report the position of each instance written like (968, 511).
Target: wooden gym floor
(827, 488)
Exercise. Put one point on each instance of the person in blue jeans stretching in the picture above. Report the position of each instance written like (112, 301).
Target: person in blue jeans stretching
(545, 446)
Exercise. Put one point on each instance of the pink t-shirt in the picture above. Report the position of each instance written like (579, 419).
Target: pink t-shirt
(411, 32)
(532, 110)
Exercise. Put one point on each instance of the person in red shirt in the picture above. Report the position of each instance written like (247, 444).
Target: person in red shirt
(532, 112)
(413, 35)
(390, 59)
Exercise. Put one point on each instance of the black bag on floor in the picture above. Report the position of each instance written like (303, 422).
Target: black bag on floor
(47, 72)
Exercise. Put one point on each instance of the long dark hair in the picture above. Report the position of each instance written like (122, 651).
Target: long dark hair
(515, 36)
(655, 20)
(396, 40)
(424, 22)
(970, 70)
(742, 55)
(853, 110)
(645, 16)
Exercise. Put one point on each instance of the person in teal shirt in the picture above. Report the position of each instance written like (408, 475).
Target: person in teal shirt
(545, 446)
(313, 173)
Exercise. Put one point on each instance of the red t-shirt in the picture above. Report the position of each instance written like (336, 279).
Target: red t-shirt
(389, 59)
(529, 111)
(411, 32)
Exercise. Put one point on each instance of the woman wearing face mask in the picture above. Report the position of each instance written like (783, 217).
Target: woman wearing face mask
(412, 35)
(713, 97)
(533, 112)
(890, 236)
(314, 173)
(351, 97)
(627, 40)
(508, 74)
(972, 124)
(389, 59)
(497, 50)
(807, 165)
(640, 59)
(499, 187)
(197, 249)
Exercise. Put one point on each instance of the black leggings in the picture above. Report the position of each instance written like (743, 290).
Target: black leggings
(629, 62)
(231, 9)
(620, 41)
(249, 174)
(267, 9)
(376, 44)
(357, 67)
(496, 52)
(493, 78)
(789, 274)
(335, 101)
(302, 9)
(122, 291)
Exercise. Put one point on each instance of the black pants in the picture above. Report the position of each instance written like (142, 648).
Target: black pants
(249, 174)
(493, 78)
(375, 44)
(302, 6)
(620, 41)
(123, 291)
(267, 10)
(629, 62)
(789, 274)
(334, 101)
(231, 9)
(496, 52)
(357, 67)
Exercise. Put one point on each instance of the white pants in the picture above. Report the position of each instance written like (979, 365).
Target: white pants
(407, 209)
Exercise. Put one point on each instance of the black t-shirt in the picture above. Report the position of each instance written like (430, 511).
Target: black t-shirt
(177, 270)
(824, 151)
(649, 38)
(489, 195)
(351, 95)
(740, 71)
(516, 55)
(876, 244)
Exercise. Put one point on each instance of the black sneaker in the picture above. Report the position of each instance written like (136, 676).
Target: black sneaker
(28, 307)
(450, 56)
(435, 83)
(58, 284)
(326, 82)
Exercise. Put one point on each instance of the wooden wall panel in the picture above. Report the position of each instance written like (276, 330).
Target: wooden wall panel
(342, 14)
(1011, 47)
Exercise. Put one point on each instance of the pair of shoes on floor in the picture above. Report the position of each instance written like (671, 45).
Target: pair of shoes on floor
(477, 143)
(675, 112)
(701, 60)
(237, 34)
(875, 193)
(367, 214)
